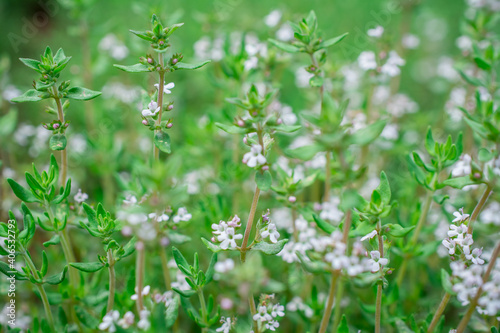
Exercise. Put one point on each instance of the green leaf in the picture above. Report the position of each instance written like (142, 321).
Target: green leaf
(484, 155)
(182, 65)
(284, 46)
(231, 129)
(368, 134)
(32, 63)
(58, 142)
(178, 238)
(316, 81)
(137, 68)
(343, 328)
(459, 182)
(31, 95)
(446, 282)
(323, 225)
(396, 230)
(304, 153)
(440, 198)
(184, 293)
(481, 63)
(88, 267)
(45, 264)
(470, 79)
(5, 269)
(209, 274)
(21, 192)
(287, 128)
(86, 318)
(56, 278)
(53, 241)
(82, 94)
(270, 248)
(384, 189)
(142, 34)
(162, 141)
(179, 258)
(211, 246)
(263, 180)
(332, 41)
(315, 267)
(172, 312)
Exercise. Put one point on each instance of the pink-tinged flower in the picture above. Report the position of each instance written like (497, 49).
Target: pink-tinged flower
(152, 109)
(376, 262)
(254, 157)
(166, 88)
(228, 239)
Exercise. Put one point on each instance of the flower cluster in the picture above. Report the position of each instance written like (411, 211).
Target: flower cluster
(268, 229)
(268, 314)
(225, 233)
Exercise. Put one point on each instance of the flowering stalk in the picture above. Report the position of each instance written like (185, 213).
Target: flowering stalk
(479, 206)
(160, 100)
(378, 303)
(249, 225)
(472, 307)
(139, 275)
(64, 152)
(203, 308)
(439, 312)
(112, 281)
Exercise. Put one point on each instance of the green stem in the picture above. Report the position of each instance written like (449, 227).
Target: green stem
(439, 312)
(416, 234)
(139, 276)
(472, 307)
(329, 304)
(203, 309)
(378, 303)
(338, 308)
(64, 155)
(41, 290)
(249, 225)
(294, 218)
(164, 267)
(160, 101)
(112, 279)
(253, 311)
(478, 207)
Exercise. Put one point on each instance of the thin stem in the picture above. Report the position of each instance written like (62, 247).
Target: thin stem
(248, 228)
(478, 207)
(328, 171)
(64, 155)
(439, 312)
(139, 276)
(253, 311)
(41, 290)
(378, 303)
(416, 234)
(338, 308)
(294, 218)
(329, 304)
(160, 101)
(164, 267)
(203, 309)
(472, 307)
(112, 279)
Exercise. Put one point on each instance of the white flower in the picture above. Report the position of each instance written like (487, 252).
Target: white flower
(182, 215)
(369, 236)
(474, 256)
(80, 196)
(271, 232)
(254, 157)
(450, 245)
(391, 66)
(460, 216)
(144, 323)
(127, 320)
(376, 32)
(273, 18)
(462, 167)
(109, 320)
(278, 310)
(145, 292)
(166, 88)
(228, 238)
(376, 262)
(410, 41)
(152, 109)
(262, 315)
(367, 61)
(226, 325)
(272, 325)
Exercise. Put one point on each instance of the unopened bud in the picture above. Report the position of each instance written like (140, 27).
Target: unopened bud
(55, 126)
(265, 167)
(174, 61)
(150, 60)
(170, 107)
(144, 121)
(169, 125)
(292, 199)
(279, 121)
(241, 123)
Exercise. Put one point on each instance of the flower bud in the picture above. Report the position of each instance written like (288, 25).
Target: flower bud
(265, 167)
(169, 125)
(241, 123)
(292, 199)
(150, 60)
(55, 126)
(279, 121)
(174, 61)
(245, 141)
(164, 241)
(144, 121)
(170, 107)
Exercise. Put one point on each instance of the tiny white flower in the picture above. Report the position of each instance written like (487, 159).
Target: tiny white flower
(145, 292)
(127, 320)
(228, 239)
(271, 232)
(144, 323)
(109, 320)
(80, 196)
(152, 109)
(226, 325)
(262, 315)
(376, 262)
(460, 216)
(254, 157)
(182, 215)
(166, 88)
(376, 32)
(370, 235)
(367, 60)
